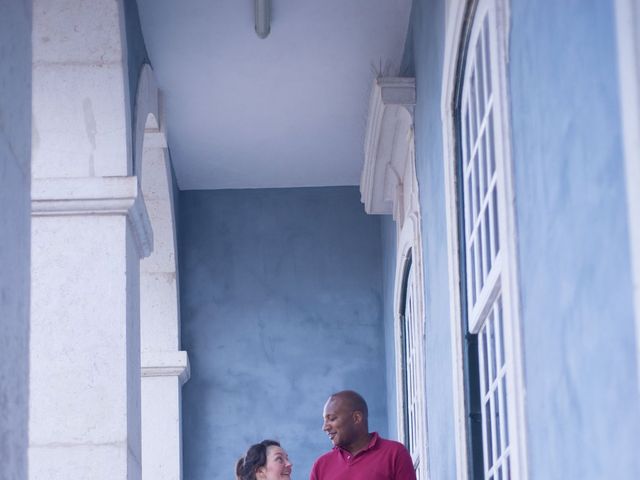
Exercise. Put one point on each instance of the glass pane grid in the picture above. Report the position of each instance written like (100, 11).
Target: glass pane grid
(486, 44)
(482, 242)
(414, 377)
(484, 262)
(493, 373)
(479, 175)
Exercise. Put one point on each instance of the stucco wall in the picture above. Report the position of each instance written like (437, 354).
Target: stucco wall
(582, 405)
(15, 148)
(428, 51)
(281, 297)
(423, 58)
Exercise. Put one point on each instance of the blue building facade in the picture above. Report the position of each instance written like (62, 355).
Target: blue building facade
(284, 303)
(574, 257)
(480, 287)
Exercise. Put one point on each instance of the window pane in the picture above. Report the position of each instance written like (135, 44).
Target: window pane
(480, 80)
(487, 54)
(490, 145)
(487, 239)
(413, 375)
(484, 362)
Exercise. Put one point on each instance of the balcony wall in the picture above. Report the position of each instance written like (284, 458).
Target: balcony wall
(281, 294)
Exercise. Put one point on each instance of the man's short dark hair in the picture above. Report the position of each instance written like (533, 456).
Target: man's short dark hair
(355, 401)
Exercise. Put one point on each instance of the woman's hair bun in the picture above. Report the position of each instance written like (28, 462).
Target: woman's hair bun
(256, 457)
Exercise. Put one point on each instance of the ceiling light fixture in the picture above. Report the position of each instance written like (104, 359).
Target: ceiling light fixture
(263, 18)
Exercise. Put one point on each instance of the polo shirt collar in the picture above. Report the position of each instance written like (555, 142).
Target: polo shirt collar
(372, 443)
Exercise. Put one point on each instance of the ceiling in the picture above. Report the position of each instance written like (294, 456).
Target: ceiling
(286, 111)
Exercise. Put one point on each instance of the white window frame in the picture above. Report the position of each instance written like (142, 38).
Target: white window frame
(628, 32)
(409, 243)
(389, 186)
(455, 29)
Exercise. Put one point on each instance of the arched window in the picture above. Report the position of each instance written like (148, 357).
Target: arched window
(413, 374)
(481, 201)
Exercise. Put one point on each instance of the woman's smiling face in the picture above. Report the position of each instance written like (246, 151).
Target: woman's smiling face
(278, 466)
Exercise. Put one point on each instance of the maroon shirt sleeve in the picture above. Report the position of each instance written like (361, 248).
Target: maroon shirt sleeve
(404, 466)
(314, 473)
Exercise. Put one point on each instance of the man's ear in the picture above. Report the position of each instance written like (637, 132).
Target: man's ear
(260, 472)
(357, 417)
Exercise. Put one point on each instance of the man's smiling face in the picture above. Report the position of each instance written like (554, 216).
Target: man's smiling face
(339, 422)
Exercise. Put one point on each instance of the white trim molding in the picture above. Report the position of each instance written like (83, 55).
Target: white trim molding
(94, 196)
(455, 17)
(166, 364)
(409, 245)
(154, 138)
(628, 31)
(513, 328)
(389, 124)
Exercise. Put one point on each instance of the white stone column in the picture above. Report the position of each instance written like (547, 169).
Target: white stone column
(88, 235)
(164, 367)
(89, 230)
(81, 118)
(163, 374)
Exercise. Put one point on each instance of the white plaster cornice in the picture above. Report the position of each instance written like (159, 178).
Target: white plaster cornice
(94, 196)
(166, 364)
(389, 124)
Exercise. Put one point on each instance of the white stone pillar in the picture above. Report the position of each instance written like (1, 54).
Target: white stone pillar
(81, 118)
(89, 231)
(164, 367)
(87, 238)
(163, 374)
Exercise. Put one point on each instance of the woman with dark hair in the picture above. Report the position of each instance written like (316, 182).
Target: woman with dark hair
(266, 460)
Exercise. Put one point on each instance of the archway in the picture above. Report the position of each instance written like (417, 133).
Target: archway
(164, 367)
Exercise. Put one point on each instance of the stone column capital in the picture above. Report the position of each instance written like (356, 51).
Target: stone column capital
(95, 196)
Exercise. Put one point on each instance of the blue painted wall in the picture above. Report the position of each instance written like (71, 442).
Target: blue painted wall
(281, 304)
(15, 230)
(577, 318)
(423, 58)
(427, 45)
(582, 395)
(388, 230)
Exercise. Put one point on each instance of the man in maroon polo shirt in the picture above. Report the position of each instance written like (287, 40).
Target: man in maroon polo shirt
(358, 454)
